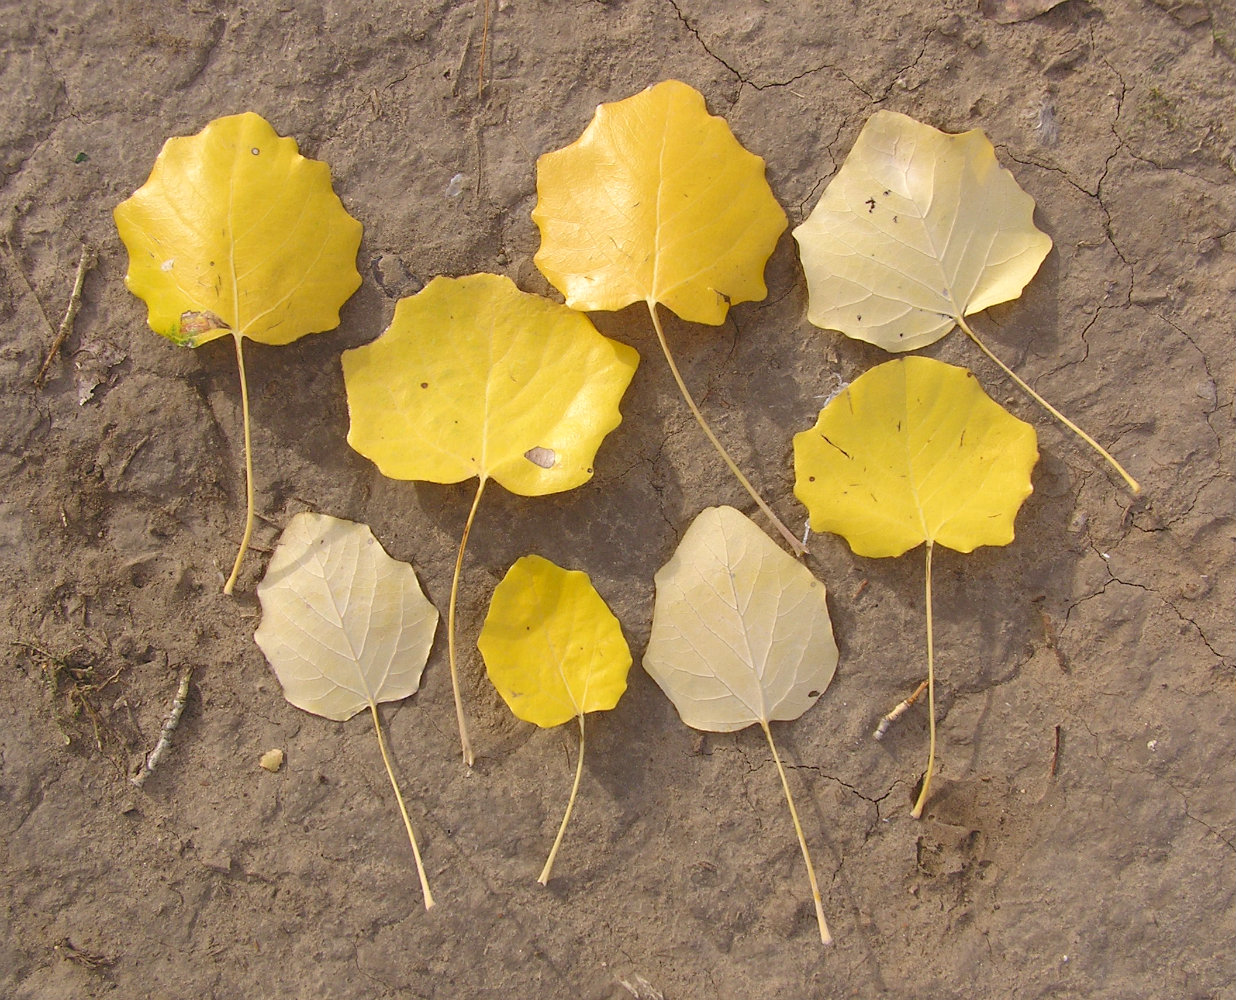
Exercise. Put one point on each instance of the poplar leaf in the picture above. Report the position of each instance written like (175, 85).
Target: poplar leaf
(345, 627)
(656, 202)
(236, 232)
(476, 378)
(552, 647)
(917, 229)
(554, 651)
(915, 451)
(741, 635)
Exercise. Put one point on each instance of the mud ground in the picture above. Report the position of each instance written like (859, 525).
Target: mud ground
(1080, 843)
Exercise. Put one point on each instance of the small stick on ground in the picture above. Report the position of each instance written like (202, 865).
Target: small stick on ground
(84, 264)
(1055, 755)
(169, 727)
(898, 712)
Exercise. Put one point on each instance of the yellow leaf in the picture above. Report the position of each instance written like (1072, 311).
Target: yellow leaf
(236, 232)
(918, 229)
(656, 202)
(552, 647)
(554, 651)
(476, 378)
(914, 451)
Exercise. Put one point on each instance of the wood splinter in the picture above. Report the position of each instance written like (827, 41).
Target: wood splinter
(169, 727)
(898, 712)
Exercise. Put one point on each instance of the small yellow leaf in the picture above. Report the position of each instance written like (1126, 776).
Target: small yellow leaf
(656, 202)
(236, 232)
(476, 378)
(917, 230)
(271, 761)
(914, 451)
(552, 647)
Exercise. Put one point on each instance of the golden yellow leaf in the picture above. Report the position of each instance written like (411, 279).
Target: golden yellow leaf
(914, 451)
(554, 651)
(917, 229)
(236, 232)
(552, 647)
(656, 202)
(476, 378)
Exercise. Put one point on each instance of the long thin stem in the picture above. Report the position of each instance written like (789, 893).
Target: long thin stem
(244, 411)
(917, 811)
(825, 936)
(543, 878)
(464, 742)
(1133, 484)
(403, 810)
(797, 547)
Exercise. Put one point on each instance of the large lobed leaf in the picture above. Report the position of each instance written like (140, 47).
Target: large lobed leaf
(552, 647)
(656, 202)
(917, 228)
(236, 232)
(344, 625)
(914, 451)
(740, 630)
(476, 378)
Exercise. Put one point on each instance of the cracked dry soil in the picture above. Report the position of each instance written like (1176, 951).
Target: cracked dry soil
(1080, 842)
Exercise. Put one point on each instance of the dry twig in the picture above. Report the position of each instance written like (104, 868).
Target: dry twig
(169, 727)
(84, 264)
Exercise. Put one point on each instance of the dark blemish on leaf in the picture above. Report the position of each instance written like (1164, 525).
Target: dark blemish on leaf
(543, 457)
(811, 479)
(887, 192)
(255, 151)
(838, 447)
(195, 324)
(894, 219)
(813, 694)
(424, 385)
(860, 317)
(962, 442)
(870, 203)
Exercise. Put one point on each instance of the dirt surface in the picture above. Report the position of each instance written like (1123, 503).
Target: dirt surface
(1080, 842)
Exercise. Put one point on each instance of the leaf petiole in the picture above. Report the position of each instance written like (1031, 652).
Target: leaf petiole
(403, 810)
(917, 811)
(797, 547)
(464, 741)
(825, 936)
(1132, 483)
(244, 411)
(543, 878)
